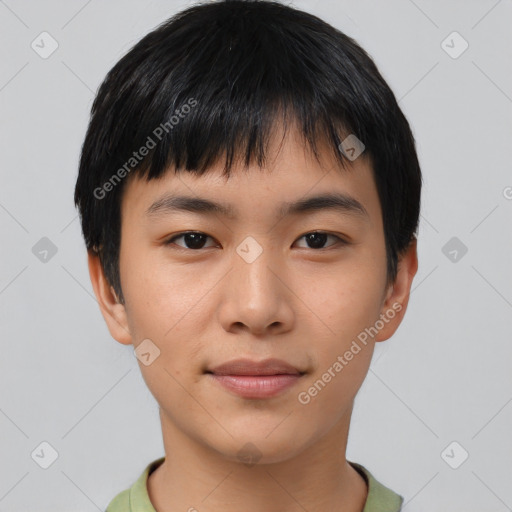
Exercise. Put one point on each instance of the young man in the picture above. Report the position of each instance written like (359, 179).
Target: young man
(249, 193)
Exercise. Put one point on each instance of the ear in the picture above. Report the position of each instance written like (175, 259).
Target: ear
(113, 312)
(397, 297)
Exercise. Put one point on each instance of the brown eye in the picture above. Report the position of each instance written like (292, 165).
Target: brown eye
(317, 240)
(193, 240)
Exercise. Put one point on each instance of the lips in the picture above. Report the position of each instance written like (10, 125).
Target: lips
(255, 379)
(248, 367)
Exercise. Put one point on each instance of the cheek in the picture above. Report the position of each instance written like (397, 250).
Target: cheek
(160, 298)
(344, 352)
(346, 300)
(161, 307)
(357, 309)
(328, 394)
(348, 305)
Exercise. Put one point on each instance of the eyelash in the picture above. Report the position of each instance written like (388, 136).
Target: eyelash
(340, 241)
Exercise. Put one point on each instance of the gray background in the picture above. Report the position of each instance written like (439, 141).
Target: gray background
(446, 374)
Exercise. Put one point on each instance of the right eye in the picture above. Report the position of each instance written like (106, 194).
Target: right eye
(193, 240)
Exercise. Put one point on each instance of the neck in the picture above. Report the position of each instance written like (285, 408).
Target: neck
(194, 477)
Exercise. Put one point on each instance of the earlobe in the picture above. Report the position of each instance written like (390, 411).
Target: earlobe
(112, 310)
(397, 298)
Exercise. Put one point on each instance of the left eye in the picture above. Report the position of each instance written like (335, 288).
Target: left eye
(317, 239)
(196, 240)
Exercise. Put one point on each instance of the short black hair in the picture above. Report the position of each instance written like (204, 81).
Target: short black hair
(211, 82)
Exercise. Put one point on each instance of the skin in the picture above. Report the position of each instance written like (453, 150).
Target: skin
(203, 307)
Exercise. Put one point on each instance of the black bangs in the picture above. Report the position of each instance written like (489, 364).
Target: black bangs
(192, 95)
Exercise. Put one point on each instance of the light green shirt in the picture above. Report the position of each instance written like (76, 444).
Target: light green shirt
(136, 498)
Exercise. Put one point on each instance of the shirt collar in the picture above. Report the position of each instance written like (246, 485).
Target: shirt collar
(380, 498)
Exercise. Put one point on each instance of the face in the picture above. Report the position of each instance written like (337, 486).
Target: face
(306, 286)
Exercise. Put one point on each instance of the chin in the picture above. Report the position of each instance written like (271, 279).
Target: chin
(251, 448)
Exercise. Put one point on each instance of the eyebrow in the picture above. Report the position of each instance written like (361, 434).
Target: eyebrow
(340, 202)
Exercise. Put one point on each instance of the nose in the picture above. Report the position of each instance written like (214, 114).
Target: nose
(256, 295)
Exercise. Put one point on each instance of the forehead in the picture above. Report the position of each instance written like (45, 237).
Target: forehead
(292, 174)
